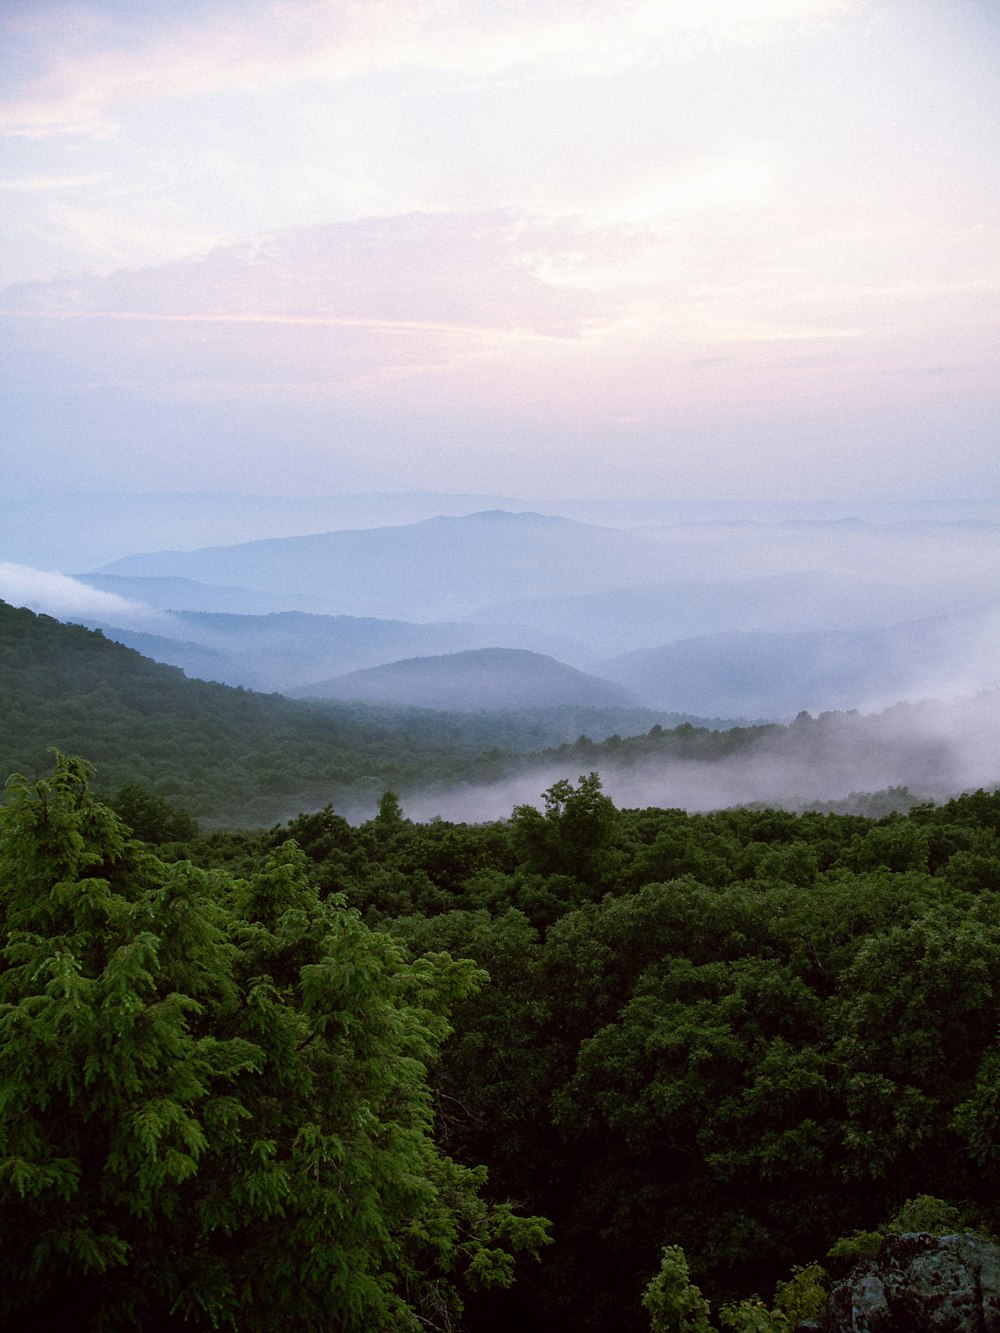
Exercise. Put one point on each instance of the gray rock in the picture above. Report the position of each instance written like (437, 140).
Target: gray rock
(919, 1283)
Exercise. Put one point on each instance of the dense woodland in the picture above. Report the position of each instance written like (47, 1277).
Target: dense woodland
(549, 1070)
(246, 1059)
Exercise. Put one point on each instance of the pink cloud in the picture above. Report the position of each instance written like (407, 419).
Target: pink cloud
(93, 63)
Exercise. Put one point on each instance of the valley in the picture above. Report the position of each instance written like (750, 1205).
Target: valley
(490, 654)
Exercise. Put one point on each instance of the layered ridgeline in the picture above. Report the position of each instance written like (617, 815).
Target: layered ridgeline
(762, 1036)
(437, 569)
(753, 620)
(300, 653)
(232, 755)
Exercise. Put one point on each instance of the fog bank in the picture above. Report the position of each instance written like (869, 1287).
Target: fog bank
(935, 748)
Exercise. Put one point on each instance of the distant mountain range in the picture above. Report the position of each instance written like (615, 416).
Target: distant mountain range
(777, 675)
(626, 619)
(179, 594)
(289, 651)
(241, 756)
(72, 531)
(66, 531)
(438, 569)
(726, 619)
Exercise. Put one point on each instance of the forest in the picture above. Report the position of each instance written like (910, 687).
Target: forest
(580, 1068)
(593, 1063)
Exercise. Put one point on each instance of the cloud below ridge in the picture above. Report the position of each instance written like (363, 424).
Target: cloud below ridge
(50, 593)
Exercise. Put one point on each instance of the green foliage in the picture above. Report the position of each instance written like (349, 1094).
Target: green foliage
(220, 752)
(674, 1303)
(759, 1054)
(151, 818)
(390, 812)
(926, 1213)
(895, 844)
(229, 754)
(803, 1295)
(215, 1092)
(574, 836)
(751, 1315)
(753, 1030)
(853, 1249)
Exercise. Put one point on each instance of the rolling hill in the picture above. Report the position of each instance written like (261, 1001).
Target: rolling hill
(236, 756)
(488, 678)
(628, 619)
(215, 750)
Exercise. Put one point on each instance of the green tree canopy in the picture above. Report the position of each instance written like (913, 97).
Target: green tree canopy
(574, 836)
(214, 1097)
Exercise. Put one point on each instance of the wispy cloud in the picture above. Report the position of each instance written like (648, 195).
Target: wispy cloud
(549, 208)
(92, 64)
(58, 595)
(422, 327)
(393, 302)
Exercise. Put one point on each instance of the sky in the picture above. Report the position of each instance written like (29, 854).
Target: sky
(724, 249)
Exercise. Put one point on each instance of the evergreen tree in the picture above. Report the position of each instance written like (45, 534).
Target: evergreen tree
(214, 1098)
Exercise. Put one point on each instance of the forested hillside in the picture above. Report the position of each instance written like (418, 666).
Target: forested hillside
(482, 679)
(214, 1099)
(426, 908)
(218, 750)
(749, 1033)
(237, 756)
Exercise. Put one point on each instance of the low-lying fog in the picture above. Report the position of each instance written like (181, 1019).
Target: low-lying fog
(936, 749)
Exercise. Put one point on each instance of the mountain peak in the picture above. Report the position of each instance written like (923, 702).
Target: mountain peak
(502, 516)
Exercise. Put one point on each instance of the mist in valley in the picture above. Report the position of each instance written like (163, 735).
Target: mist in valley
(904, 755)
(891, 621)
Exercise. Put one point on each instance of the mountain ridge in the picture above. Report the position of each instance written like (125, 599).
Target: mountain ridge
(437, 569)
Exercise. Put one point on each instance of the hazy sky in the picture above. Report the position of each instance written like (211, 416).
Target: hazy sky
(700, 248)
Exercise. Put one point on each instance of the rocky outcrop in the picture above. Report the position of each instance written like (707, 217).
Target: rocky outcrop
(919, 1283)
